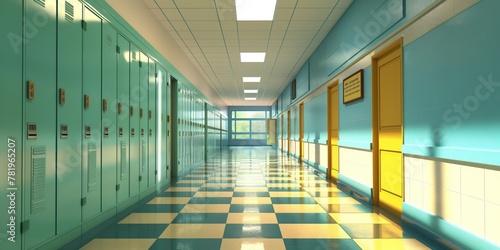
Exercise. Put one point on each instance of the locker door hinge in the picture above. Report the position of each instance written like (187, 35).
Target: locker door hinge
(25, 226)
(84, 25)
(83, 201)
(117, 187)
(117, 49)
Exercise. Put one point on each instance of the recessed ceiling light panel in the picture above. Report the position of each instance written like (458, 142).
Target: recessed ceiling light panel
(253, 56)
(255, 10)
(250, 99)
(251, 91)
(251, 79)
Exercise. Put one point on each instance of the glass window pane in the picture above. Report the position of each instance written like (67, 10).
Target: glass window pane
(242, 126)
(251, 114)
(243, 136)
(258, 126)
(259, 136)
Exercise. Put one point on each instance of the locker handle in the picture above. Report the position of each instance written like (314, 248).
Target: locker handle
(31, 90)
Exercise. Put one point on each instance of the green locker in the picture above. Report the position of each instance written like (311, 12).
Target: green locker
(109, 115)
(143, 114)
(11, 135)
(164, 125)
(69, 115)
(91, 142)
(39, 176)
(174, 128)
(123, 139)
(153, 79)
(135, 138)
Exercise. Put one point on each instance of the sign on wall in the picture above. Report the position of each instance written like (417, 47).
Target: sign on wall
(353, 87)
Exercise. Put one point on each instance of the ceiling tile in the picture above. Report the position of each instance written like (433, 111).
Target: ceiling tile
(286, 4)
(193, 4)
(207, 35)
(305, 25)
(229, 25)
(253, 43)
(199, 14)
(159, 14)
(308, 4)
(230, 34)
(310, 14)
(203, 25)
(296, 42)
(252, 26)
(165, 3)
(179, 25)
(221, 49)
(172, 14)
(303, 34)
(167, 25)
(253, 35)
(280, 25)
(151, 4)
(283, 14)
(185, 35)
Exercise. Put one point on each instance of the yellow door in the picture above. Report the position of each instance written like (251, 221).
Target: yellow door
(388, 128)
(333, 130)
(288, 132)
(282, 132)
(301, 131)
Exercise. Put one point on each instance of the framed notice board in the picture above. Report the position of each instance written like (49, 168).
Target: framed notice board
(353, 87)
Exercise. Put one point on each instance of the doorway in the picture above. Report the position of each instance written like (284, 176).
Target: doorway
(333, 130)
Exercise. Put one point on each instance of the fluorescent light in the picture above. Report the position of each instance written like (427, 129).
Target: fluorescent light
(251, 79)
(250, 99)
(251, 91)
(255, 10)
(253, 56)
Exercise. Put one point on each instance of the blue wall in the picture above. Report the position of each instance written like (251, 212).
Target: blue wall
(315, 119)
(452, 88)
(356, 117)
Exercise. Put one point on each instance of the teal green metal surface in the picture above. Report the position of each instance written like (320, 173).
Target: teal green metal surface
(135, 137)
(123, 92)
(143, 113)
(39, 177)
(91, 143)
(11, 136)
(109, 116)
(153, 80)
(162, 117)
(69, 115)
(174, 109)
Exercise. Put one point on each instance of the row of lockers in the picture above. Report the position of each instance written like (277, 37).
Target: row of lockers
(92, 120)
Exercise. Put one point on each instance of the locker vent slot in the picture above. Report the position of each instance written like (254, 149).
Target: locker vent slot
(144, 156)
(38, 166)
(92, 167)
(40, 2)
(109, 41)
(69, 12)
(123, 160)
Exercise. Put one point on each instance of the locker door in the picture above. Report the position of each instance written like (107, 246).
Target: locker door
(91, 142)
(135, 136)
(69, 115)
(174, 128)
(123, 136)
(109, 111)
(163, 122)
(39, 176)
(168, 129)
(152, 123)
(11, 135)
(144, 129)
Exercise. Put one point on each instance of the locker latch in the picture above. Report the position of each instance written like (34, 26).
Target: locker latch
(150, 115)
(31, 90)
(131, 111)
(150, 132)
(87, 101)
(120, 132)
(141, 112)
(64, 131)
(25, 226)
(104, 105)
(119, 108)
(106, 132)
(62, 96)
(142, 132)
(32, 131)
(83, 201)
(88, 132)
(132, 132)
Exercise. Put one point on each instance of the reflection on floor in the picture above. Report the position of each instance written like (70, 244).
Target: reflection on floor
(254, 198)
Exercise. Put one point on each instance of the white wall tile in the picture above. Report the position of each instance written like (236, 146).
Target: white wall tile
(357, 165)
(429, 171)
(492, 186)
(473, 217)
(429, 202)
(492, 229)
(450, 176)
(449, 206)
(323, 161)
(416, 194)
(413, 168)
(472, 179)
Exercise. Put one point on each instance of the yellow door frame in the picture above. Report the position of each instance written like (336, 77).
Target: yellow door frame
(395, 138)
(288, 132)
(301, 131)
(333, 119)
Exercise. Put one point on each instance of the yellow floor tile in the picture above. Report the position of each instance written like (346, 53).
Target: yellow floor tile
(191, 181)
(177, 231)
(169, 200)
(253, 182)
(206, 208)
(298, 208)
(252, 218)
(182, 189)
(313, 231)
(251, 200)
(283, 185)
(251, 189)
(367, 218)
(289, 194)
(252, 244)
(149, 218)
(336, 200)
(279, 179)
(376, 244)
(214, 194)
(219, 185)
(219, 178)
(118, 244)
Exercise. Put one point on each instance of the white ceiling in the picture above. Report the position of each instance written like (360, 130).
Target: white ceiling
(211, 38)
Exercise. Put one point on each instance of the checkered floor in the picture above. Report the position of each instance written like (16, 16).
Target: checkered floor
(254, 198)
